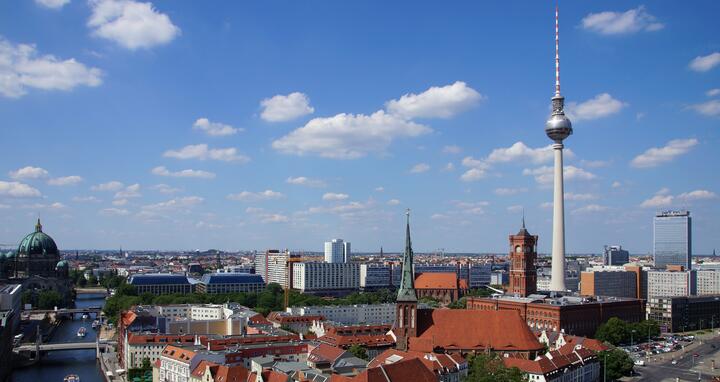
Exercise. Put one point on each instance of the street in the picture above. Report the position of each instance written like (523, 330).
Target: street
(688, 367)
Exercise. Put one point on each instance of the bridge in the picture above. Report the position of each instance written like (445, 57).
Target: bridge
(102, 291)
(90, 309)
(32, 347)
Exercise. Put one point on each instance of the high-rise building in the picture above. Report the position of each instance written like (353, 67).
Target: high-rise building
(557, 128)
(662, 283)
(615, 255)
(672, 244)
(318, 277)
(337, 251)
(273, 267)
(609, 281)
(523, 253)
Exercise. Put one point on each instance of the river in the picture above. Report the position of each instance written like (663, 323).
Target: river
(56, 365)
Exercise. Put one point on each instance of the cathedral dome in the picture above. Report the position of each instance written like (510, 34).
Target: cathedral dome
(62, 264)
(38, 244)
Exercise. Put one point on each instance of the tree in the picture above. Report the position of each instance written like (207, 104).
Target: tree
(616, 363)
(459, 304)
(358, 351)
(614, 331)
(49, 299)
(490, 368)
(27, 297)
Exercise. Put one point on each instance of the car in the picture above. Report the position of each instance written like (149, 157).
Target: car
(674, 362)
(639, 362)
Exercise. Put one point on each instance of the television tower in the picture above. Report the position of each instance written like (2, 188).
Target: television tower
(557, 128)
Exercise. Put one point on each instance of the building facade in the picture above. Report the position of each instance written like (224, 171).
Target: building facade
(318, 277)
(349, 314)
(672, 243)
(679, 314)
(671, 283)
(375, 276)
(273, 266)
(708, 282)
(161, 283)
(523, 255)
(608, 281)
(615, 255)
(230, 283)
(337, 251)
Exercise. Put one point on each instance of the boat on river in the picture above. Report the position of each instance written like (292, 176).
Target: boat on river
(96, 324)
(81, 332)
(72, 378)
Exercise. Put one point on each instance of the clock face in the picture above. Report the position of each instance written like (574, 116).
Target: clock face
(518, 249)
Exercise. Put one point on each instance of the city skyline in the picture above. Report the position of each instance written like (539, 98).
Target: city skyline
(233, 128)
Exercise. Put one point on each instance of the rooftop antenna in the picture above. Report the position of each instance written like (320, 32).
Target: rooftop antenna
(523, 217)
(557, 51)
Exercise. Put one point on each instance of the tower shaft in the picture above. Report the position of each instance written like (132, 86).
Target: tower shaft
(557, 280)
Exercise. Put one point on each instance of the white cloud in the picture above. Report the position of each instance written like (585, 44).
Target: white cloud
(594, 163)
(348, 136)
(114, 212)
(203, 152)
(113, 185)
(545, 174)
(305, 181)
(42, 206)
(705, 63)
(131, 191)
(449, 167)
(658, 155)
(546, 205)
(52, 4)
(215, 129)
(282, 108)
(520, 152)
(601, 106)
(18, 190)
(712, 92)
(165, 189)
(438, 102)
(340, 209)
(393, 202)
(616, 184)
(419, 168)
(334, 196)
(590, 208)
(22, 67)
(188, 173)
(65, 180)
(247, 196)
(614, 23)
(471, 208)
(131, 24)
(176, 204)
(120, 202)
(452, 149)
(697, 195)
(85, 199)
(379, 189)
(274, 218)
(657, 201)
(579, 197)
(29, 172)
(510, 191)
(710, 108)
(515, 208)
(477, 171)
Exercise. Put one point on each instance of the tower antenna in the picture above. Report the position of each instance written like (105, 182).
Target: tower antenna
(557, 50)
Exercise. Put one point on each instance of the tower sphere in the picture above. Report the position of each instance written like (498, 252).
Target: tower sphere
(558, 126)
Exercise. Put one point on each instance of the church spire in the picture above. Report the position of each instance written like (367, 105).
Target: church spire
(38, 226)
(407, 282)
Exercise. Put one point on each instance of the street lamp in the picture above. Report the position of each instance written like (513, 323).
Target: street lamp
(631, 337)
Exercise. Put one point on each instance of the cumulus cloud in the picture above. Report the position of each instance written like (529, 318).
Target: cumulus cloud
(176, 204)
(579, 197)
(113, 185)
(65, 180)
(52, 4)
(305, 181)
(601, 106)
(477, 169)
(274, 218)
(616, 23)
(452, 149)
(165, 189)
(515, 208)
(29, 172)
(131, 191)
(131, 24)
(18, 190)
(120, 202)
(710, 108)
(449, 167)
(215, 129)
(697, 195)
(203, 152)
(188, 173)
(334, 196)
(544, 175)
(663, 198)
(393, 202)
(247, 196)
(348, 136)
(510, 191)
(282, 108)
(520, 152)
(658, 155)
(85, 199)
(712, 92)
(420, 168)
(657, 201)
(705, 63)
(22, 67)
(114, 212)
(590, 208)
(436, 102)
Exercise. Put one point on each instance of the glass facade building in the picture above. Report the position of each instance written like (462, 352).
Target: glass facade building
(672, 239)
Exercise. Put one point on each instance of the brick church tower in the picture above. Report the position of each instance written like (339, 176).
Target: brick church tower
(523, 254)
(406, 306)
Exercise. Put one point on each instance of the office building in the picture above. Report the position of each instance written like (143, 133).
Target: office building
(230, 283)
(374, 276)
(319, 277)
(615, 255)
(161, 283)
(684, 313)
(672, 244)
(608, 281)
(671, 283)
(337, 251)
(349, 314)
(273, 266)
(708, 282)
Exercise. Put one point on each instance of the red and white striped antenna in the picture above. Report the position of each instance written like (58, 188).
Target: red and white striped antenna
(557, 52)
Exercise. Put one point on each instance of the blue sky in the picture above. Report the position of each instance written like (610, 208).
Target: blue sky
(250, 125)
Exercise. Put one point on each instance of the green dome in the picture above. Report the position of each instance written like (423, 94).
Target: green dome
(62, 264)
(10, 255)
(38, 244)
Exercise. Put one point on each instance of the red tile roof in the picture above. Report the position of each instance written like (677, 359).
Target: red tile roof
(553, 361)
(199, 370)
(438, 363)
(259, 319)
(412, 370)
(460, 329)
(284, 318)
(178, 353)
(231, 374)
(432, 280)
(325, 353)
(140, 339)
(274, 376)
(127, 318)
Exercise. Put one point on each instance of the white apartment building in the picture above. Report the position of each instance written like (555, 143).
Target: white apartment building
(337, 251)
(272, 266)
(325, 276)
(671, 283)
(349, 314)
(708, 282)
